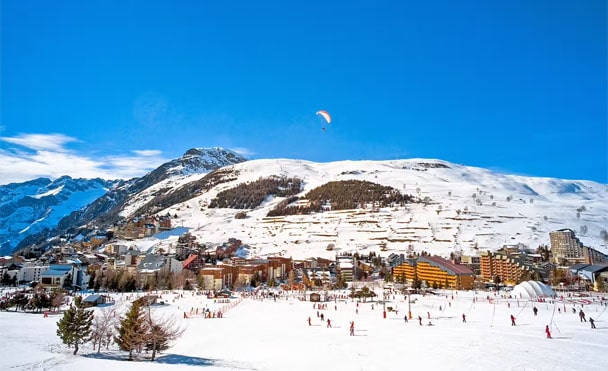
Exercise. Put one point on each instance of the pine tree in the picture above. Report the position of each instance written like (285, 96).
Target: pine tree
(74, 328)
(132, 330)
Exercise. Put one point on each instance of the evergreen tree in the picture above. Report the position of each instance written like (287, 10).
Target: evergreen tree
(74, 328)
(132, 330)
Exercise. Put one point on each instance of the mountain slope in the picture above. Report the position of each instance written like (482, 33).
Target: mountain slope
(457, 209)
(104, 210)
(464, 210)
(31, 207)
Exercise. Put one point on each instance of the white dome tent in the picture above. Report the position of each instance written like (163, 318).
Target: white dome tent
(532, 290)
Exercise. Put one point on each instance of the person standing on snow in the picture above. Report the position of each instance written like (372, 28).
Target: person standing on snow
(592, 322)
(513, 320)
(548, 332)
(352, 328)
(464, 318)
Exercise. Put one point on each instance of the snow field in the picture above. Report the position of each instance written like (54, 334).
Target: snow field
(274, 335)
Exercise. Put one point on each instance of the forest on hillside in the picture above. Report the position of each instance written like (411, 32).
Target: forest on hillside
(342, 195)
(251, 194)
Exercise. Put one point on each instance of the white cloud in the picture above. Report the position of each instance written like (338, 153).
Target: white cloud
(54, 142)
(45, 155)
(147, 152)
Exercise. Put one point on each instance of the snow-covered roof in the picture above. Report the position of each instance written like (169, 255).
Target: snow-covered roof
(54, 273)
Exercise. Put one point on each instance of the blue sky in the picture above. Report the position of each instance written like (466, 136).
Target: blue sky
(115, 88)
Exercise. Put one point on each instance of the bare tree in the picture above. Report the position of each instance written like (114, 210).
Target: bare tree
(161, 331)
(103, 328)
(57, 300)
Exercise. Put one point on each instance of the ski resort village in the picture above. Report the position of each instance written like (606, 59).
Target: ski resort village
(288, 264)
(151, 292)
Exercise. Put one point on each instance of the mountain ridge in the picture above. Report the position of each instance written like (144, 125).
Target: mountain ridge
(104, 205)
(462, 208)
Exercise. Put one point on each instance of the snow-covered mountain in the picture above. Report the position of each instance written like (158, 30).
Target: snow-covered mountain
(103, 207)
(463, 210)
(31, 207)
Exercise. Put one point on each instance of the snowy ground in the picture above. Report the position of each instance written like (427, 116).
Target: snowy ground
(275, 335)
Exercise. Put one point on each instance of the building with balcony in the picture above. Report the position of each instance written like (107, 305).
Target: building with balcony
(510, 269)
(567, 249)
(435, 271)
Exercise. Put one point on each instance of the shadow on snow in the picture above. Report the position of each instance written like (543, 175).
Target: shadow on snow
(170, 359)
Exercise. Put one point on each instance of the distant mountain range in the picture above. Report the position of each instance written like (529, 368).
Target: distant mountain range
(34, 211)
(37, 206)
(299, 208)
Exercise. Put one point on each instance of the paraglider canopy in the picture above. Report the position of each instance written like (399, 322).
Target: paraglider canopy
(325, 115)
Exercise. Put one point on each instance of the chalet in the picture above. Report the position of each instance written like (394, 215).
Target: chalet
(115, 248)
(97, 300)
(149, 230)
(164, 222)
(193, 263)
(364, 270)
(318, 277)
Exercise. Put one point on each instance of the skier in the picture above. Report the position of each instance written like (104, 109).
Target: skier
(328, 323)
(513, 320)
(352, 328)
(420, 320)
(405, 318)
(535, 310)
(581, 315)
(309, 321)
(548, 332)
(592, 322)
(464, 318)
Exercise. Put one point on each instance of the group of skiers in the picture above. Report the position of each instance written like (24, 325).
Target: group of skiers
(464, 318)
